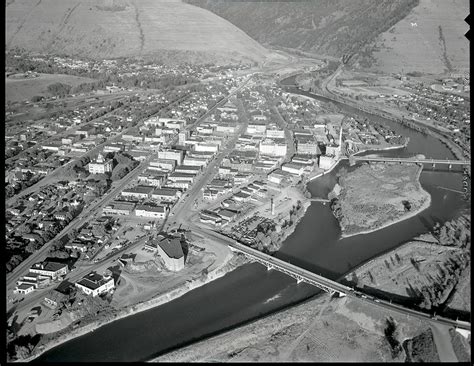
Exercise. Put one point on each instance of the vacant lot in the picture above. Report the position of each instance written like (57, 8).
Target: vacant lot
(25, 88)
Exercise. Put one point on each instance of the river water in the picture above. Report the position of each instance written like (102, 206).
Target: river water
(251, 291)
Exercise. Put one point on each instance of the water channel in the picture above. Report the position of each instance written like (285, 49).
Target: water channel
(251, 291)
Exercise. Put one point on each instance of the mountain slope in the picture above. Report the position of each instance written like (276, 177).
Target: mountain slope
(118, 28)
(430, 39)
(330, 27)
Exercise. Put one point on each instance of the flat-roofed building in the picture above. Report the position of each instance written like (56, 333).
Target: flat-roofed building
(139, 192)
(275, 133)
(256, 128)
(163, 164)
(273, 147)
(157, 212)
(326, 162)
(181, 177)
(211, 147)
(176, 155)
(118, 208)
(50, 269)
(95, 284)
(198, 162)
(152, 178)
(277, 176)
(24, 289)
(171, 252)
(307, 145)
(293, 168)
(190, 169)
(166, 194)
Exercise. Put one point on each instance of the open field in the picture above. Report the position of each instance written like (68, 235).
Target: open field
(395, 272)
(323, 329)
(104, 29)
(436, 44)
(26, 88)
(373, 194)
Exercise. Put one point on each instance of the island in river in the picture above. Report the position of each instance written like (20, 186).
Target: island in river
(373, 196)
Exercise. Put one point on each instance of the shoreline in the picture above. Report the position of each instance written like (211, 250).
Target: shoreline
(161, 299)
(423, 207)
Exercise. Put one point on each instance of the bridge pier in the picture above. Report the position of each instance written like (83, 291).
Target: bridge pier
(434, 165)
(298, 280)
(450, 166)
(269, 267)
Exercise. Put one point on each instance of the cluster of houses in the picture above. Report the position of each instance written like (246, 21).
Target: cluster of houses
(45, 273)
(37, 216)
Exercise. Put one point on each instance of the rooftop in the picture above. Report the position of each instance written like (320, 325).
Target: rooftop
(172, 247)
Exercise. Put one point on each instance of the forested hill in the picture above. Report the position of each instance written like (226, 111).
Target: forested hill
(329, 27)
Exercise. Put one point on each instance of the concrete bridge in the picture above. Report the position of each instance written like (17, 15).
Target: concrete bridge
(330, 286)
(298, 273)
(413, 160)
(323, 200)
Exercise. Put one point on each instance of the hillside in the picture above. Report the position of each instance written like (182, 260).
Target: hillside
(430, 39)
(122, 28)
(326, 27)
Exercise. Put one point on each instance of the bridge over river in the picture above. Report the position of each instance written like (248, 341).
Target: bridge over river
(413, 160)
(330, 286)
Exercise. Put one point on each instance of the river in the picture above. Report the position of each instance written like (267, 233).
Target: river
(251, 291)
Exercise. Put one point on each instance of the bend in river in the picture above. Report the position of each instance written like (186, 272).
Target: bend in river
(243, 294)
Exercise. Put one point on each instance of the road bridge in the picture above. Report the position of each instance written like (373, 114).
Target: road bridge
(412, 160)
(300, 274)
(330, 286)
(323, 200)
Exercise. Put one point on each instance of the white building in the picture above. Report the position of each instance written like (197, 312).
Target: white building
(172, 254)
(176, 155)
(94, 284)
(156, 212)
(276, 147)
(166, 194)
(326, 162)
(100, 166)
(50, 269)
(293, 168)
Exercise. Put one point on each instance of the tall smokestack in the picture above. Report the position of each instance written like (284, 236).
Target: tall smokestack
(272, 206)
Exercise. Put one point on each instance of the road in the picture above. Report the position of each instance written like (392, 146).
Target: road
(311, 277)
(179, 210)
(442, 339)
(84, 216)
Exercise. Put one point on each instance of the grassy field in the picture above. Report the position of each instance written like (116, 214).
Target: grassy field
(435, 45)
(25, 88)
(373, 196)
(109, 29)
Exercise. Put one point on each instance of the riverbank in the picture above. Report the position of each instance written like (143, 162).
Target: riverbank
(230, 263)
(375, 196)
